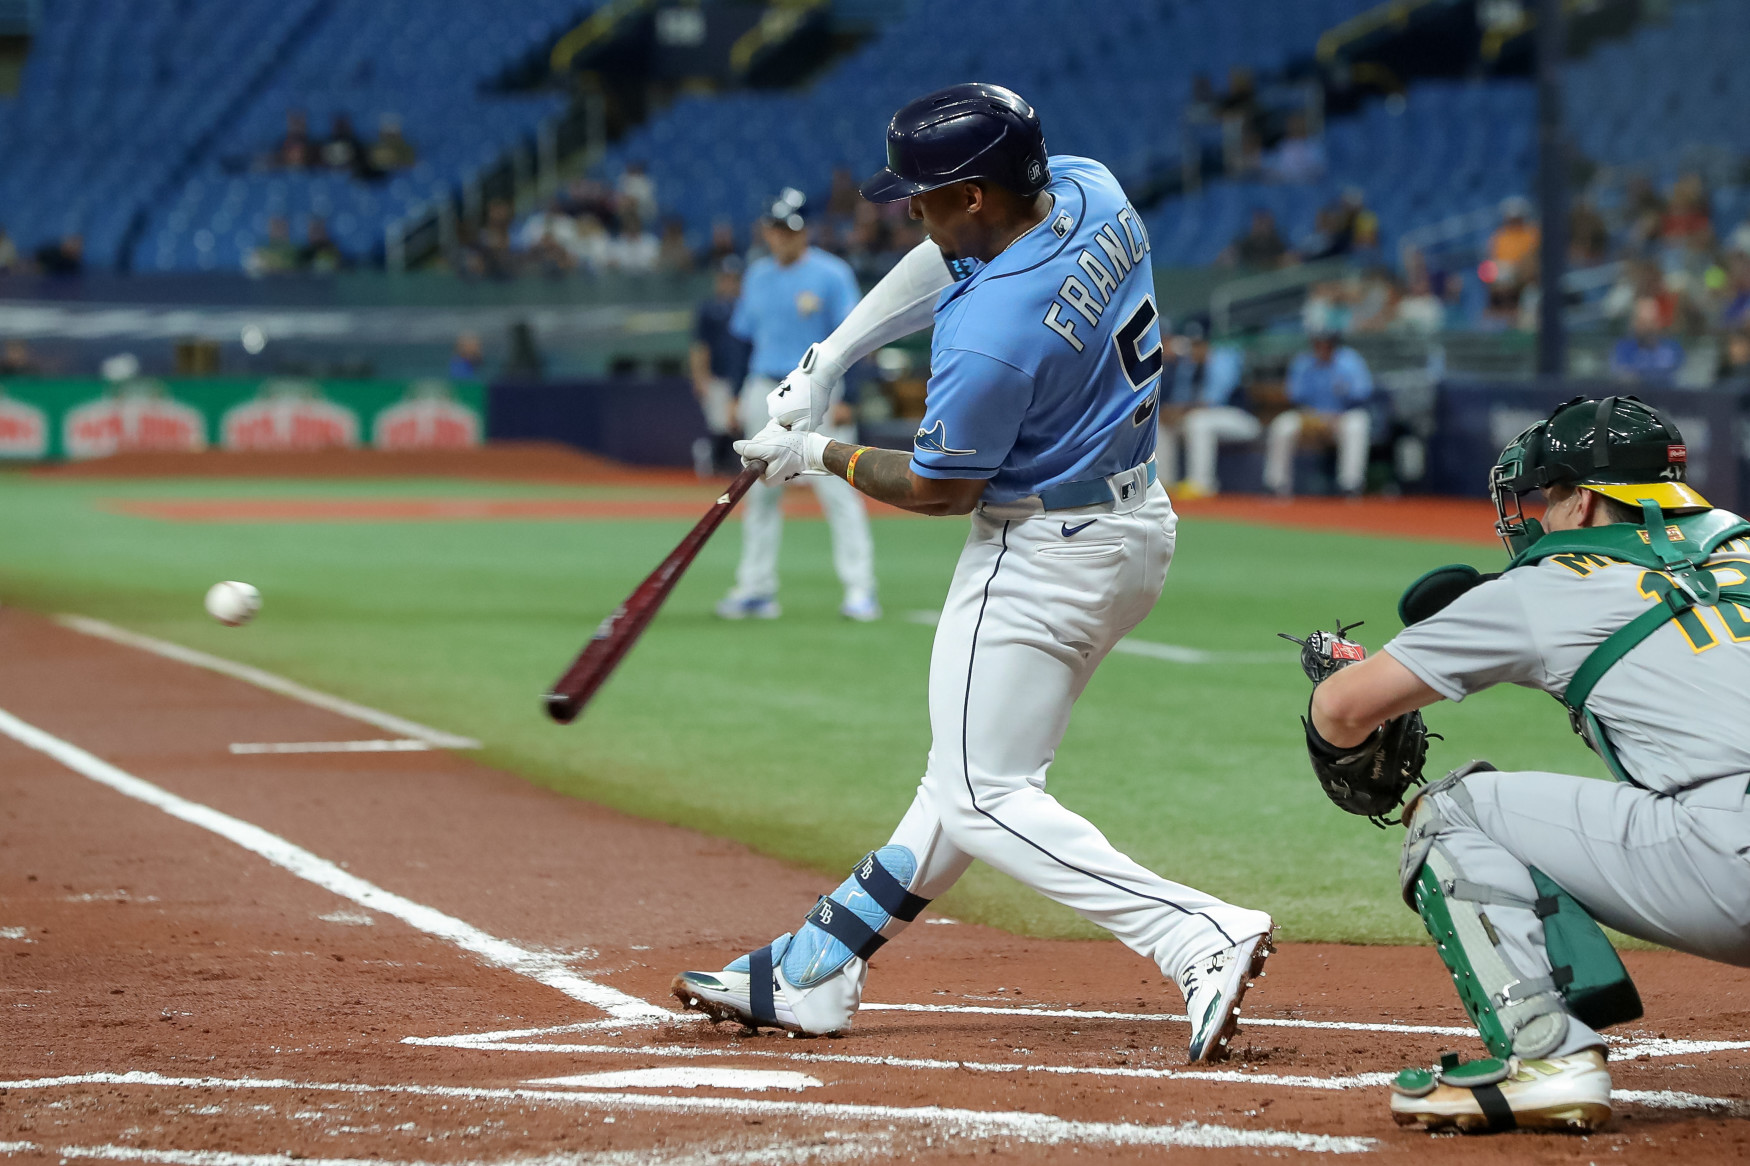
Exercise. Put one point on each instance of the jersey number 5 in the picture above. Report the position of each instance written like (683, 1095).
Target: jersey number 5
(1140, 367)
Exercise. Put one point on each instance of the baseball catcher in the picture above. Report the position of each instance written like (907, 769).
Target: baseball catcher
(1629, 603)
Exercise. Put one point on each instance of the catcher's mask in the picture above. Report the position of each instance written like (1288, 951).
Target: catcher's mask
(1619, 447)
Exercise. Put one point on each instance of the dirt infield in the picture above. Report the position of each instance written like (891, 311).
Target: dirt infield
(403, 956)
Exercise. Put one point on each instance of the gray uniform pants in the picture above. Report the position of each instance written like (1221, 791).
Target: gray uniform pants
(1671, 869)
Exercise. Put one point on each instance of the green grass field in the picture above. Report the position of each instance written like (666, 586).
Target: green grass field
(805, 737)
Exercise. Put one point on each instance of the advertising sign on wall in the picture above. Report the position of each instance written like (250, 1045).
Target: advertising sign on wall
(42, 418)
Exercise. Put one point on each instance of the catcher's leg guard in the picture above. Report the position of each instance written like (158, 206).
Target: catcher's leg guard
(812, 981)
(1516, 1012)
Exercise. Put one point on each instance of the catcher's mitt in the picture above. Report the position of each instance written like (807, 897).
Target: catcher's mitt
(1371, 778)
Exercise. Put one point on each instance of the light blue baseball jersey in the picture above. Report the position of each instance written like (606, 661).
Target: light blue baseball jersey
(1045, 366)
(782, 310)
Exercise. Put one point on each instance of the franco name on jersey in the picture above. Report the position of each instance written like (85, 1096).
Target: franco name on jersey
(1124, 243)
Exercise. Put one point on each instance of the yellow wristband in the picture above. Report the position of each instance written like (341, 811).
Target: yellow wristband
(851, 466)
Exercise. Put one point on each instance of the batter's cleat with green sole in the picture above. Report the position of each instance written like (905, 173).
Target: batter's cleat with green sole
(1553, 1093)
(1214, 987)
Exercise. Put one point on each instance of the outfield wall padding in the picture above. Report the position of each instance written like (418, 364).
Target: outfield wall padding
(643, 421)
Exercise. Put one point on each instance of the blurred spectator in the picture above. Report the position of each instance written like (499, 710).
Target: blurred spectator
(525, 361)
(843, 200)
(1329, 388)
(1261, 246)
(1643, 209)
(1374, 301)
(717, 360)
(672, 254)
(1199, 407)
(488, 252)
(1239, 104)
(1588, 235)
(296, 151)
(1299, 158)
(1640, 279)
(1327, 309)
(635, 193)
(1647, 356)
(1336, 225)
(1514, 241)
(722, 243)
(320, 253)
(467, 358)
(343, 150)
(1735, 308)
(65, 256)
(585, 197)
(391, 152)
(1739, 240)
(549, 240)
(8, 252)
(16, 361)
(591, 249)
(1686, 214)
(1735, 356)
(635, 250)
(1420, 312)
(276, 254)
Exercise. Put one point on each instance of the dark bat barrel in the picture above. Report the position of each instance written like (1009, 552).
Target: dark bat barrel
(616, 634)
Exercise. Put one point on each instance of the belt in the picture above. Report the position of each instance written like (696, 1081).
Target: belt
(1120, 487)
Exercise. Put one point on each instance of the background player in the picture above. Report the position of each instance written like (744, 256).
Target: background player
(1619, 611)
(1046, 363)
(789, 300)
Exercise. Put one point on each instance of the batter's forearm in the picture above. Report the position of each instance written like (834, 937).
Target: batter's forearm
(886, 476)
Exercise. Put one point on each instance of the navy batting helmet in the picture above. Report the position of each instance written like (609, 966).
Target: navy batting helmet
(959, 133)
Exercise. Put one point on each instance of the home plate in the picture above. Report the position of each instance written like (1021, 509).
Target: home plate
(687, 1077)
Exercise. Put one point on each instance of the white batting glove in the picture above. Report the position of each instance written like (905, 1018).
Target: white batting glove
(801, 399)
(787, 453)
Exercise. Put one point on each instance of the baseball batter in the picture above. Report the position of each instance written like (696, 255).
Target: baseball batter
(1045, 377)
(1634, 610)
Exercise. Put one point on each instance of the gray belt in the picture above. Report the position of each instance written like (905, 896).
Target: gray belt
(1120, 487)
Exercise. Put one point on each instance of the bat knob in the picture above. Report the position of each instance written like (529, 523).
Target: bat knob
(560, 707)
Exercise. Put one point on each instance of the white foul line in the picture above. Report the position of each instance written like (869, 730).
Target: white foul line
(1153, 649)
(1030, 1126)
(1263, 1021)
(543, 966)
(264, 679)
(399, 745)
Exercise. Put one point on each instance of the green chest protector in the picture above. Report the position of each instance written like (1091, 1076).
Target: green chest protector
(1677, 548)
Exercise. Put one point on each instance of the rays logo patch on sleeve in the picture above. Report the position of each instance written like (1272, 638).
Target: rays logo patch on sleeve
(935, 440)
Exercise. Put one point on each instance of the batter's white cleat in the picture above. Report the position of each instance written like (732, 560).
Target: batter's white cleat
(860, 606)
(1555, 1093)
(822, 1009)
(748, 607)
(1214, 987)
(726, 995)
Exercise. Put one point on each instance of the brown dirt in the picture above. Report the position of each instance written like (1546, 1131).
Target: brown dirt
(523, 461)
(136, 942)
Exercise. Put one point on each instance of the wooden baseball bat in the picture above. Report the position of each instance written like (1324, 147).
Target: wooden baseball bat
(615, 635)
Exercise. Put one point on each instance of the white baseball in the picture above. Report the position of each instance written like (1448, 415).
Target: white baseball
(233, 604)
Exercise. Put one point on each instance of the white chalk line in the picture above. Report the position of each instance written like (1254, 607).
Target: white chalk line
(1033, 1127)
(398, 745)
(687, 1077)
(775, 1152)
(264, 679)
(542, 966)
(1170, 1018)
(1153, 649)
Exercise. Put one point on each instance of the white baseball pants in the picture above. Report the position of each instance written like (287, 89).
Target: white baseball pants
(762, 516)
(1036, 603)
(1354, 434)
(1205, 430)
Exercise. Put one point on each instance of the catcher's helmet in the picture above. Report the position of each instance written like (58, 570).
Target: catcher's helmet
(962, 132)
(1620, 447)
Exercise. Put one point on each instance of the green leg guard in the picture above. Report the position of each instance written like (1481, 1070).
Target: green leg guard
(1583, 965)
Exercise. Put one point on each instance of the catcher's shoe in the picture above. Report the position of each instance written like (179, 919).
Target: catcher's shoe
(1555, 1093)
(1214, 987)
(753, 992)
